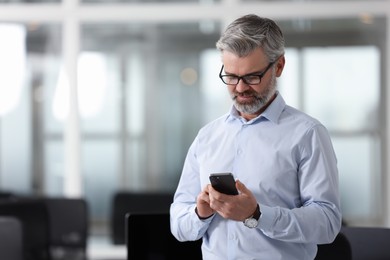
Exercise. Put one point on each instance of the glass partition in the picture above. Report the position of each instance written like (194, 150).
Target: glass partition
(30, 57)
(144, 82)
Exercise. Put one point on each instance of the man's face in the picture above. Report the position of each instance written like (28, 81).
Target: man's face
(250, 99)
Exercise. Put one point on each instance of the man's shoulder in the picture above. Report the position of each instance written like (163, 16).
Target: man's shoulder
(214, 126)
(217, 122)
(299, 117)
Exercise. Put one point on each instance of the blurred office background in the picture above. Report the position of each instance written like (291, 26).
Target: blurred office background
(98, 96)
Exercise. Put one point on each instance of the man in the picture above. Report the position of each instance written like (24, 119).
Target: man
(282, 159)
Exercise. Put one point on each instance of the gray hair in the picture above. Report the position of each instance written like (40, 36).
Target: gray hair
(250, 32)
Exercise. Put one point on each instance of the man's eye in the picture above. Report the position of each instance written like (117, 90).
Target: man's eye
(251, 78)
(230, 78)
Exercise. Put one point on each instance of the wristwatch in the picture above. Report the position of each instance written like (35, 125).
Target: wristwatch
(253, 220)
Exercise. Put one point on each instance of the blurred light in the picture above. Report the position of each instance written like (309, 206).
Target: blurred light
(188, 76)
(60, 104)
(12, 65)
(92, 84)
(367, 18)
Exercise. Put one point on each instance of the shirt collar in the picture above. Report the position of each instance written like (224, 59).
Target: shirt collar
(272, 113)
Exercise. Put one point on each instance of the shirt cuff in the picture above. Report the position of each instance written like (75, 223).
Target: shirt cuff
(201, 218)
(267, 217)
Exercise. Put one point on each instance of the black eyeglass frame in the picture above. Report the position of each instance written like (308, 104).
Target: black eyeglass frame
(260, 75)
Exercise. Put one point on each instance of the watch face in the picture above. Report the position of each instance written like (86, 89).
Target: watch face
(251, 222)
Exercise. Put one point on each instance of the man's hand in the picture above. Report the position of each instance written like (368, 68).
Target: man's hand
(203, 204)
(235, 207)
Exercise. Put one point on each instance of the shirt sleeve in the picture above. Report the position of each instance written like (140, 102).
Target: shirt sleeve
(319, 193)
(185, 223)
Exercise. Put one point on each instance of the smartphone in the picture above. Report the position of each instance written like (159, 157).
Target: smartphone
(224, 183)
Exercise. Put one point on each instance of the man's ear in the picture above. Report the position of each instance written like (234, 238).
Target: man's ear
(280, 66)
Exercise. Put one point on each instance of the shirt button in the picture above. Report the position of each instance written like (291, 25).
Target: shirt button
(232, 237)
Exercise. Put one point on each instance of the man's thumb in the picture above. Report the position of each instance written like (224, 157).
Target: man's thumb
(240, 186)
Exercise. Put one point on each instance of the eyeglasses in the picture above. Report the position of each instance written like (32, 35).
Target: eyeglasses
(249, 79)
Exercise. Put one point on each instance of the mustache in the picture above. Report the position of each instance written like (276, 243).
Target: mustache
(246, 94)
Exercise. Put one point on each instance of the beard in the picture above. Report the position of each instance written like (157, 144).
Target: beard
(259, 99)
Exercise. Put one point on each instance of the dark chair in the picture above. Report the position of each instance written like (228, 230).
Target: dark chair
(155, 241)
(339, 249)
(33, 216)
(368, 243)
(68, 224)
(5, 195)
(11, 246)
(124, 202)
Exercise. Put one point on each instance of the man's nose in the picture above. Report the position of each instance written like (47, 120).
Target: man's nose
(242, 86)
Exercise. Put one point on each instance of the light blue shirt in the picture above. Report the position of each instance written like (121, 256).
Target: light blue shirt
(286, 159)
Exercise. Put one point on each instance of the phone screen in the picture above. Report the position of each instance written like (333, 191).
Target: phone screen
(224, 183)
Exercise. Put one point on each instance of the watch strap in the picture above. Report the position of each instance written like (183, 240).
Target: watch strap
(256, 215)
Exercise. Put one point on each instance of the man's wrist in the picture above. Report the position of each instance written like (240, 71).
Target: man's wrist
(257, 213)
(202, 218)
(253, 220)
